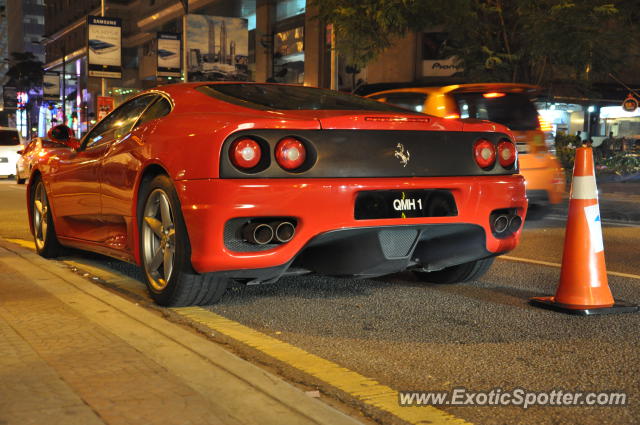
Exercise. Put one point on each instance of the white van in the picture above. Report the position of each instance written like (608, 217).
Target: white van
(10, 144)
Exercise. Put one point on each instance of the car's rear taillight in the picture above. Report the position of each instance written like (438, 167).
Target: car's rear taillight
(493, 95)
(245, 153)
(290, 153)
(484, 152)
(506, 153)
(544, 124)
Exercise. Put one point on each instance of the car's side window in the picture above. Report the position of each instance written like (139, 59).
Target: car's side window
(159, 109)
(379, 97)
(411, 101)
(119, 122)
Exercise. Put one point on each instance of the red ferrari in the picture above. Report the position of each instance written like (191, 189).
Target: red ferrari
(202, 184)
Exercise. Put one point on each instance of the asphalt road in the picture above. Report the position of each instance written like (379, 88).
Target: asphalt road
(481, 335)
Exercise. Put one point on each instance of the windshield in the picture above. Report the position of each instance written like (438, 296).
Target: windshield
(273, 96)
(514, 110)
(9, 138)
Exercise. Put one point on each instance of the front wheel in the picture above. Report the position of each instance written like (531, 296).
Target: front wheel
(457, 274)
(165, 250)
(44, 233)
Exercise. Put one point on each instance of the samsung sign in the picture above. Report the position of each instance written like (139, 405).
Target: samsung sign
(441, 67)
(169, 54)
(105, 47)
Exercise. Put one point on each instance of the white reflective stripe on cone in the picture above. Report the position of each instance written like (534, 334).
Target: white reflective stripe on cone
(584, 187)
(592, 213)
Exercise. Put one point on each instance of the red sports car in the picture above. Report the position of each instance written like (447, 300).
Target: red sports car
(204, 183)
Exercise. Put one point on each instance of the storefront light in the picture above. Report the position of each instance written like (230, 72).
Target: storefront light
(617, 112)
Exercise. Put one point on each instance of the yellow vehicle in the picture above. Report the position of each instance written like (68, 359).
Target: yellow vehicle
(504, 103)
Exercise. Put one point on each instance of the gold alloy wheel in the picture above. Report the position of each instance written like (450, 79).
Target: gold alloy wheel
(40, 216)
(158, 239)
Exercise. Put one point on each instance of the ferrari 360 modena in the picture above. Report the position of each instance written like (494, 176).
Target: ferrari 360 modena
(204, 184)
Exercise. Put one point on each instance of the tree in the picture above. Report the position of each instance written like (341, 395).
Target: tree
(531, 41)
(25, 72)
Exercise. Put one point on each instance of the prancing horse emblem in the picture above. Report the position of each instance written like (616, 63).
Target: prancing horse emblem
(402, 155)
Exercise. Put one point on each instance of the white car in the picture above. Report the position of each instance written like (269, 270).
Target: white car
(10, 144)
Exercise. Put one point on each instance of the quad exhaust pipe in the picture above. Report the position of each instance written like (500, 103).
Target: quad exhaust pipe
(501, 223)
(505, 222)
(264, 233)
(283, 231)
(258, 233)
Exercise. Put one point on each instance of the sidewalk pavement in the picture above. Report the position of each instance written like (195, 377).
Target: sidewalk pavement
(73, 353)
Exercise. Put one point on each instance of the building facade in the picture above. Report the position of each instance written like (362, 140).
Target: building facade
(5, 114)
(26, 26)
(284, 44)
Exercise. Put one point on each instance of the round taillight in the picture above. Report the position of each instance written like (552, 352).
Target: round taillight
(245, 153)
(506, 153)
(290, 153)
(484, 153)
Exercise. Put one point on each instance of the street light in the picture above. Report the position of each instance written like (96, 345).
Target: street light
(590, 110)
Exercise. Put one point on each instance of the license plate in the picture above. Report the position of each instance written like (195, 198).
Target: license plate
(404, 204)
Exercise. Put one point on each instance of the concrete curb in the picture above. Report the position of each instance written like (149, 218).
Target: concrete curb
(250, 393)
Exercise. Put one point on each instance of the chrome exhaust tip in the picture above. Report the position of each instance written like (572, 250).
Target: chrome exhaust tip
(501, 224)
(283, 231)
(515, 223)
(258, 233)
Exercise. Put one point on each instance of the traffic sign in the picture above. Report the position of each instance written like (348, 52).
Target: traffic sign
(630, 104)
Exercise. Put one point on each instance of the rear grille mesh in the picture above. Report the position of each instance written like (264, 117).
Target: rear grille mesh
(397, 243)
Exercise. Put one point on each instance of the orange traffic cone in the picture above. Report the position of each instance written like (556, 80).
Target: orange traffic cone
(583, 287)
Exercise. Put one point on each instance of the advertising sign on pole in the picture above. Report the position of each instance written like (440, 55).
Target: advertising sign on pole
(218, 48)
(169, 47)
(10, 97)
(105, 105)
(105, 47)
(51, 85)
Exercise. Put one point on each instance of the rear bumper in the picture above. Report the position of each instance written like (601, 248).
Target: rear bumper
(7, 168)
(324, 211)
(545, 181)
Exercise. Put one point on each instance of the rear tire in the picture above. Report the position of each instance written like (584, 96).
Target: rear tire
(18, 179)
(457, 274)
(44, 233)
(165, 251)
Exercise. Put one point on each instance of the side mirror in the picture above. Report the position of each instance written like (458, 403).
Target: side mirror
(63, 135)
(73, 143)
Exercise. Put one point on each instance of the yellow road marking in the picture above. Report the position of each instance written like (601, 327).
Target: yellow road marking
(362, 388)
(23, 243)
(547, 263)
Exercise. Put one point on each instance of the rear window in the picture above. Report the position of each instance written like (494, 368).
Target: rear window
(9, 138)
(514, 110)
(273, 96)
